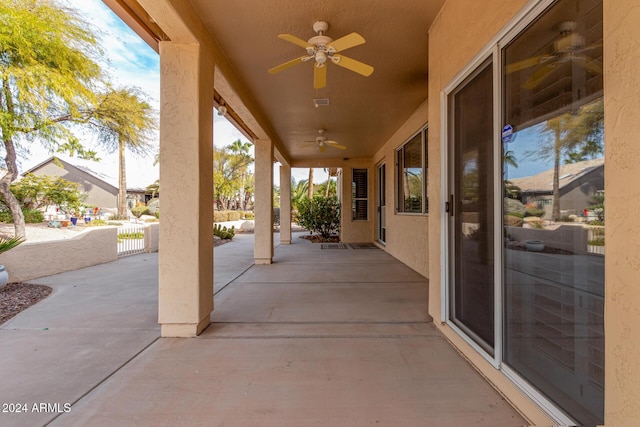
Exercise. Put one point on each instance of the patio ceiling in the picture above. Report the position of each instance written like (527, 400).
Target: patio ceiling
(363, 112)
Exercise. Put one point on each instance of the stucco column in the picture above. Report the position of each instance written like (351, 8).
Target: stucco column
(186, 174)
(622, 203)
(285, 204)
(263, 233)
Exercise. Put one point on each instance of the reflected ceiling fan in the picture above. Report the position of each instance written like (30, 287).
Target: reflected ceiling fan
(322, 142)
(322, 49)
(568, 48)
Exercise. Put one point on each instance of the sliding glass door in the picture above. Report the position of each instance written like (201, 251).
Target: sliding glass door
(525, 205)
(553, 262)
(471, 208)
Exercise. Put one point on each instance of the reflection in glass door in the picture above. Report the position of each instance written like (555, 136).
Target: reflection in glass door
(471, 230)
(381, 202)
(554, 218)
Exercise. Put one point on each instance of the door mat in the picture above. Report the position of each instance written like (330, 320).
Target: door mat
(363, 246)
(333, 246)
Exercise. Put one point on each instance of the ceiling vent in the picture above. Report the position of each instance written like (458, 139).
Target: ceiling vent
(321, 101)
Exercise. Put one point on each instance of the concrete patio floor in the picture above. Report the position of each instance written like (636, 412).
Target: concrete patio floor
(322, 337)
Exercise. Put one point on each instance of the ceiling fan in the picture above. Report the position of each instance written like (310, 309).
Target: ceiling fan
(321, 49)
(322, 142)
(568, 48)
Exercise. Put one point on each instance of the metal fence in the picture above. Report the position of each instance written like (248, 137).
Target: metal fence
(131, 240)
(595, 239)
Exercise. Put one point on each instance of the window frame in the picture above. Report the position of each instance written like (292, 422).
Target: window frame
(424, 160)
(354, 191)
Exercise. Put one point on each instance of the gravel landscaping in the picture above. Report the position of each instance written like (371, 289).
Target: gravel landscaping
(16, 297)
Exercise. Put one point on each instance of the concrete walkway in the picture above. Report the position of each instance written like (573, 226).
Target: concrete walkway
(323, 337)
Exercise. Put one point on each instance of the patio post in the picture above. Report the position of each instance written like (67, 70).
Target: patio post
(263, 237)
(186, 171)
(285, 204)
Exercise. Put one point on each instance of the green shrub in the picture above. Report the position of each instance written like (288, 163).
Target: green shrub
(224, 216)
(117, 217)
(157, 214)
(249, 215)
(139, 210)
(131, 235)
(534, 212)
(111, 222)
(31, 216)
(152, 220)
(223, 232)
(320, 215)
(516, 214)
(97, 223)
(597, 242)
(276, 216)
(596, 222)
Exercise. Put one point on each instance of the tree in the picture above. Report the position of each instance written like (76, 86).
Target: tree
(50, 83)
(124, 120)
(47, 78)
(310, 186)
(36, 192)
(243, 159)
(298, 192)
(574, 134)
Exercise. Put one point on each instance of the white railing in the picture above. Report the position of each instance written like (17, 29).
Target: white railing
(595, 235)
(131, 240)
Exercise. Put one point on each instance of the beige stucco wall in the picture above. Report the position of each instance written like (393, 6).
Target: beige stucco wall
(407, 234)
(356, 231)
(461, 31)
(98, 195)
(31, 260)
(622, 263)
(152, 237)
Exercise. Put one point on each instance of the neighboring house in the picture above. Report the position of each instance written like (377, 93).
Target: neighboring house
(579, 183)
(102, 189)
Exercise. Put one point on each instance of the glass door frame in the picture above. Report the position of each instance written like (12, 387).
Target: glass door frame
(491, 51)
(381, 202)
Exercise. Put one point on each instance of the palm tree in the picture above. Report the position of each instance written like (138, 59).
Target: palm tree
(241, 149)
(310, 187)
(572, 132)
(125, 121)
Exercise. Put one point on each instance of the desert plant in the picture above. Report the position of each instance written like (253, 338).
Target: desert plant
(31, 216)
(320, 215)
(139, 210)
(249, 215)
(223, 232)
(9, 243)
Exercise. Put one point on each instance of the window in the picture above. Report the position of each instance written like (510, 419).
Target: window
(360, 195)
(411, 169)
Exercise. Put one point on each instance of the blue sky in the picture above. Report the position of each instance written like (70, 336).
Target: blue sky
(131, 62)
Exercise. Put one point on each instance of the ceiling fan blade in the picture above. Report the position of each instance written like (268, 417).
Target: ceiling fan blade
(319, 76)
(295, 40)
(336, 145)
(353, 65)
(288, 64)
(346, 42)
(539, 75)
(590, 65)
(527, 63)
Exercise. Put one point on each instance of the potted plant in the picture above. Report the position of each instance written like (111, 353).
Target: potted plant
(5, 245)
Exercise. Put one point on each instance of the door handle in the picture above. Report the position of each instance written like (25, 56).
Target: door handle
(449, 205)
